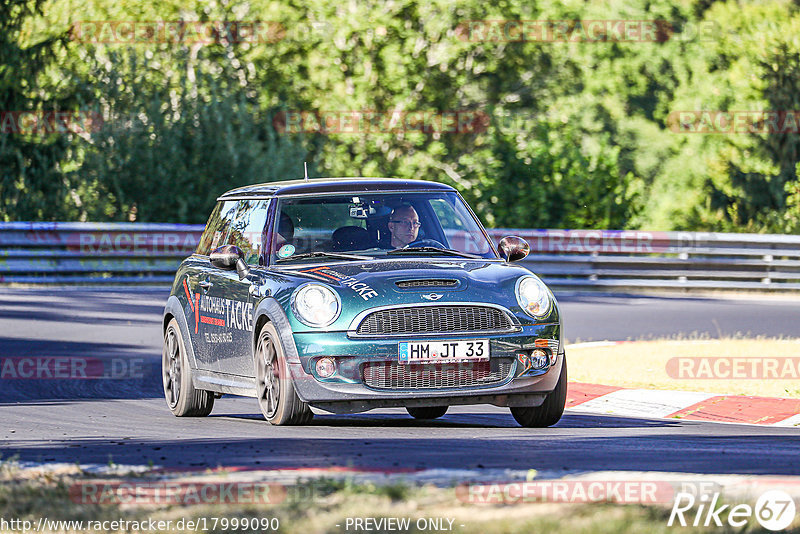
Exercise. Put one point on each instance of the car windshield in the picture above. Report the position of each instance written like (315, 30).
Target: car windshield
(365, 226)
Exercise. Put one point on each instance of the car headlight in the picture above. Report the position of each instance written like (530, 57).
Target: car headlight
(316, 305)
(533, 297)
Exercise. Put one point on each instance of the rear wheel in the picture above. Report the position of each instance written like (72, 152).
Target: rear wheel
(182, 397)
(551, 409)
(276, 395)
(427, 412)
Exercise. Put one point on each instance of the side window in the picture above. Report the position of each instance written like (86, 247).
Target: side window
(247, 229)
(216, 230)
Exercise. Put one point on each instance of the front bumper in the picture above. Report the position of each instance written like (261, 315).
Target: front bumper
(346, 391)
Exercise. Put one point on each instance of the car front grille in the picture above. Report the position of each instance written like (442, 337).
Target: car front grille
(435, 320)
(394, 375)
(411, 284)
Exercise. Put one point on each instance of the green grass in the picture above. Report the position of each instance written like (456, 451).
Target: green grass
(318, 506)
(644, 364)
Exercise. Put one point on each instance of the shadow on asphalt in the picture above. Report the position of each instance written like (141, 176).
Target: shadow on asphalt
(38, 370)
(548, 449)
(456, 420)
(143, 314)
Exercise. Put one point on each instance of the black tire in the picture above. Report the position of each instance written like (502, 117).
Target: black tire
(274, 387)
(181, 396)
(427, 412)
(551, 409)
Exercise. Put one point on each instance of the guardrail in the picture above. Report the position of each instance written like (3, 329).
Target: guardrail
(96, 253)
(662, 260)
(116, 253)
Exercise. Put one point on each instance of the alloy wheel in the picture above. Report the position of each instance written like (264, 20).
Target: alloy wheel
(269, 386)
(172, 368)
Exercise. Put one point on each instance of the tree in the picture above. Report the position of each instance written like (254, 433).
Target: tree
(166, 152)
(32, 181)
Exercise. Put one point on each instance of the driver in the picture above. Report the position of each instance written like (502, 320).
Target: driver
(403, 225)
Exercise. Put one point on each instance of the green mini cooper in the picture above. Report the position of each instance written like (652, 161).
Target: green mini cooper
(351, 294)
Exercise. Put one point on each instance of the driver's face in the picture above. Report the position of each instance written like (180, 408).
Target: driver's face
(404, 227)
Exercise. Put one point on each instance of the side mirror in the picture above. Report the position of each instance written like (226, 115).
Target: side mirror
(228, 258)
(513, 248)
(225, 257)
(242, 269)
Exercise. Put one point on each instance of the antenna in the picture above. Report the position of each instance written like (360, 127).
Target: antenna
(305, 169)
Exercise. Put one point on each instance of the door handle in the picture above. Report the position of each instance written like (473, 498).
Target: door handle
(256, 290)
(205, 284)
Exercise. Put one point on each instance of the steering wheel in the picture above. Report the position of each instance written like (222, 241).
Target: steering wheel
(425, 243)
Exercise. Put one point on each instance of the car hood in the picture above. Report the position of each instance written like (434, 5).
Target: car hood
(398, 282)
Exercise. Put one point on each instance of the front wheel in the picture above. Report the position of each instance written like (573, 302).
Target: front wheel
(276, 395)
(427, 412)
(182, 397)
(551, 409)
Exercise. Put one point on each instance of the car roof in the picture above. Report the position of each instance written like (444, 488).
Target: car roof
(332, 185)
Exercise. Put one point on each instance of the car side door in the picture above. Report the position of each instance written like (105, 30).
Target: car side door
(197, 282)
(230, 340)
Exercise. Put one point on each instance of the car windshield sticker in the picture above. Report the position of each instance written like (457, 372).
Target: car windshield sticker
(286, 251)
(358, 212)
(326, 273)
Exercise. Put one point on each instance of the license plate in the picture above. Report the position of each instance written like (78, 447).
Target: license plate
(443, 351)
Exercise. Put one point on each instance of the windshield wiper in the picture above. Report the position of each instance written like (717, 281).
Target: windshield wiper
(321, 254)
(449, 251)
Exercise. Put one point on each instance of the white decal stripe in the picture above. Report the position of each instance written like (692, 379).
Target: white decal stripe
(793, 421)
(642, 402)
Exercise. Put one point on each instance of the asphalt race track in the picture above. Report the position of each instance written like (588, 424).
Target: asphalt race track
(122, 417)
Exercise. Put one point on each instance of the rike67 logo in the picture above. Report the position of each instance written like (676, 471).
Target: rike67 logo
(774, 510)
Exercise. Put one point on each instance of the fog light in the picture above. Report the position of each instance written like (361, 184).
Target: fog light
(326, 367)
(539, 359)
